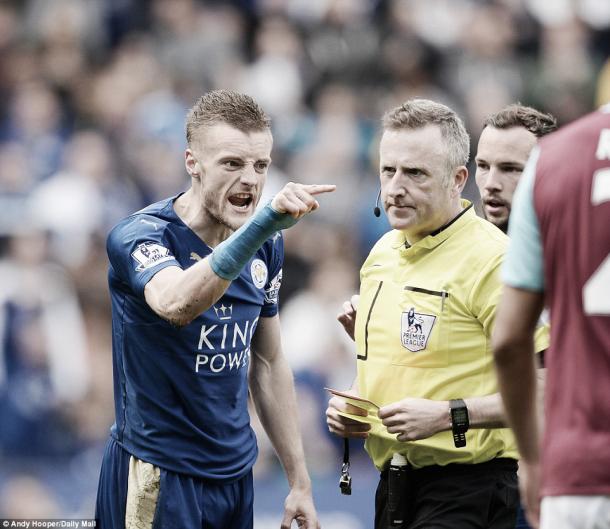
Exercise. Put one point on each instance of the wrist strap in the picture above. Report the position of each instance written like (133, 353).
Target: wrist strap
(230, 256)
(459, 439)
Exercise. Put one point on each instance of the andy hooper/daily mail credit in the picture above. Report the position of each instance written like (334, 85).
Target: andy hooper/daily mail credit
(46, 524)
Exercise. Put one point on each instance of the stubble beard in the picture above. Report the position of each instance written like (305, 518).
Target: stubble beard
(502, 225)
(210, 205)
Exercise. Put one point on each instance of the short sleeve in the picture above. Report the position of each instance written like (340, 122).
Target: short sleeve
(523, 265)
(138, 248)
(272, 287)
(542, 337)
(486, 292)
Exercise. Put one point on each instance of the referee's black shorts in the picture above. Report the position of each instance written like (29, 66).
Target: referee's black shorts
(482, 496)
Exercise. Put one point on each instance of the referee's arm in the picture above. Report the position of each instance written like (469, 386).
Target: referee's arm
(412, 418)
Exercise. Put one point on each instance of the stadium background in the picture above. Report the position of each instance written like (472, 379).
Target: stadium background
(93, 95)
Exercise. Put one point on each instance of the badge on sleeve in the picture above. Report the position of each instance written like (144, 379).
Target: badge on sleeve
(150, 254)
(273, 290)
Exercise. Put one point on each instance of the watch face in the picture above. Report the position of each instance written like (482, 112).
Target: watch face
(460, 416)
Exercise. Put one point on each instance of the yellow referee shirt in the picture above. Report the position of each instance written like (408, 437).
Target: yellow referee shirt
(423, 329)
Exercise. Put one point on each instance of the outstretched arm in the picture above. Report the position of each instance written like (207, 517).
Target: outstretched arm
(179, 296)
(272, 389)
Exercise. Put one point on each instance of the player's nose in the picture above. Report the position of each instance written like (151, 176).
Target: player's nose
(248, 176)
(493, 181)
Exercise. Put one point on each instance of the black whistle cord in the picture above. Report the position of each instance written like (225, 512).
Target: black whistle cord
(345, 481)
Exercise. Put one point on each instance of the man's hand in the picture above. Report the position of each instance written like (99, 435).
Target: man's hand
(343, 426)
(414, 419)
(299, 506)
(347, 316)
(299, 199)
(529, 488)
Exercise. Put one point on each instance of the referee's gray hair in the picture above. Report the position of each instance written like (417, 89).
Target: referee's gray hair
(417, 113)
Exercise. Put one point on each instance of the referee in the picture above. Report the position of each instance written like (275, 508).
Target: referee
(428, 295)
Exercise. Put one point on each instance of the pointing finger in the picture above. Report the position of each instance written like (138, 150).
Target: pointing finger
(316, 189)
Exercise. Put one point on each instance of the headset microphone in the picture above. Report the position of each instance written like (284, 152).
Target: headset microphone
(376, 210)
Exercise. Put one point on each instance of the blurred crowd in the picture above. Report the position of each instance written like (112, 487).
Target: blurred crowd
(93, 96)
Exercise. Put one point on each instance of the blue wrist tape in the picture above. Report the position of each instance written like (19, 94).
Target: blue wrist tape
(230, 256)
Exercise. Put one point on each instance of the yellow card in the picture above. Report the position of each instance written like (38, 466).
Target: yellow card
(371, 418)
(359, 402)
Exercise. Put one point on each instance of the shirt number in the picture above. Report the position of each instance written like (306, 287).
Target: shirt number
(596, 292)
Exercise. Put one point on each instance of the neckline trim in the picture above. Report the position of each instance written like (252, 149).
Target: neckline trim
(445, 226)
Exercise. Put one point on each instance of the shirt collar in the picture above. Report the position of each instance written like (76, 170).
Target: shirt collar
(441, 234)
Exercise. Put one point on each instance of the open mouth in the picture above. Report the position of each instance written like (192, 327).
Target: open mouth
(241, 200)
(495, 203)
(495, 207)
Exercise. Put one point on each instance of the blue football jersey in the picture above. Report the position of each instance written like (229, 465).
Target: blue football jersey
(181, 394)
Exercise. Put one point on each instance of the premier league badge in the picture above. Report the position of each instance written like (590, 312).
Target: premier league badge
(415, 329)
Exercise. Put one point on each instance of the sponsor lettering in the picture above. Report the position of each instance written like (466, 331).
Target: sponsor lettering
(220, 362)
(224, 347)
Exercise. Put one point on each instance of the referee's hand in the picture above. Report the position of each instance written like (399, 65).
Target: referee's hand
(344, 426)
(347, 316)
(411, 419)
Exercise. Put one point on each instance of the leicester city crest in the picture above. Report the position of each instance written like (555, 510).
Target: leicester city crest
(258, 271)
(415, 329)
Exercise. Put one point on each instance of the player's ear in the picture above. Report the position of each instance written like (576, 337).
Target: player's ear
(193, 167)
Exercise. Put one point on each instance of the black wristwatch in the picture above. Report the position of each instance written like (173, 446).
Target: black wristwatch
(459, 421)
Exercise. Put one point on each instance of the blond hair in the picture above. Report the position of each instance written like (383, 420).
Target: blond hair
(224, 106)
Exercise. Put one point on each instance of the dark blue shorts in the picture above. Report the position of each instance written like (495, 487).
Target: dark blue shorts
(165, 500)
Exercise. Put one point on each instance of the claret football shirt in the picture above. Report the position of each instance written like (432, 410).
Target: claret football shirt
(560, 245)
